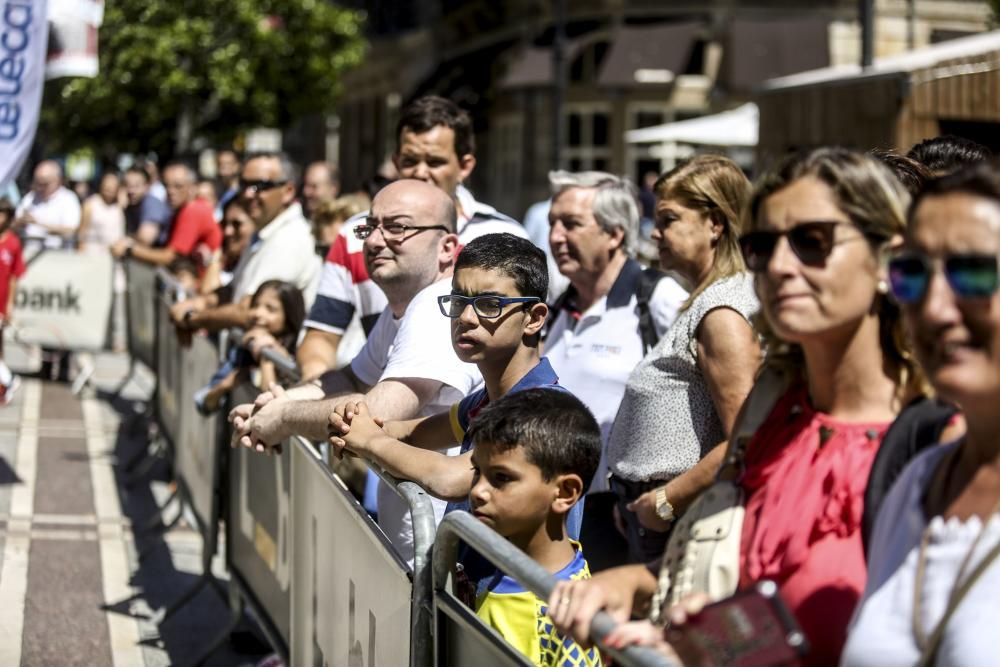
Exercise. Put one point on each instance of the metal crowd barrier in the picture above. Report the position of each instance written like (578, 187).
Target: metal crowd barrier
(268, 521)
(192, 439)
(140, 312)
(323, 580)
(462, 639)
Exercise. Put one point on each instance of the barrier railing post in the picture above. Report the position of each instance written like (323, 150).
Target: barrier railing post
(424, 530)
(462, 526)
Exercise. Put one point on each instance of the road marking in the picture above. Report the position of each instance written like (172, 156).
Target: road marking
(14, 578)
(113, 541)
(64, 519)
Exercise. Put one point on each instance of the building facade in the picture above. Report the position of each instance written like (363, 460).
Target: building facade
(622, 65)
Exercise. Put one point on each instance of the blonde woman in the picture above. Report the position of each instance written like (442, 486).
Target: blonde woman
(819, 226)
(330, 216)
(681, 400)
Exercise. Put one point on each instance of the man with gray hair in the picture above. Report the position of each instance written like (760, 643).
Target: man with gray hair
(614, 310)
(282, 248)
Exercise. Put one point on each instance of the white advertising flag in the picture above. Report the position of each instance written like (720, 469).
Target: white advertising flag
(23, 35)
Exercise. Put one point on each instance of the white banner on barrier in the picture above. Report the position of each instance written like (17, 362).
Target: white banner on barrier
(64, 300)
(23, 35)
(350, 594)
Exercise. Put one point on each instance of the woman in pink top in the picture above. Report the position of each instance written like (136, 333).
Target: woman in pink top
(818, 226)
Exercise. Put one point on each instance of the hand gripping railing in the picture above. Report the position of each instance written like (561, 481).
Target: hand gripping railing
(462, 526)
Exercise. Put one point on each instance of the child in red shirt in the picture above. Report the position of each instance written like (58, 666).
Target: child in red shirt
(11, 268)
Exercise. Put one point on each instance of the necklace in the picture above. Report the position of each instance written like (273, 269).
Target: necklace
(958, 589)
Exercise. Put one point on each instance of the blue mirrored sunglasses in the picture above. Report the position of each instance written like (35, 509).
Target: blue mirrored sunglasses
(971, 276)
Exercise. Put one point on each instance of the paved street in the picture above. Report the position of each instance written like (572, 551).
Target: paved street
(73, 590)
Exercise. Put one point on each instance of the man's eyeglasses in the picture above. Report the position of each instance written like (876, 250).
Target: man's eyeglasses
(970, 275)
(486, 306)
(262, 185)
(812, 242)
(391, 230)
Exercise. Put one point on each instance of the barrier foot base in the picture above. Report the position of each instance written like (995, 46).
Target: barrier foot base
(142, 464)
(83, 378)
(117, 391)
(154, 524)
(164, 613)
(220, 639)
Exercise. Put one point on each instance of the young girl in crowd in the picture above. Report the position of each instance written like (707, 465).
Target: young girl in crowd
(277, 312)
(840, 346)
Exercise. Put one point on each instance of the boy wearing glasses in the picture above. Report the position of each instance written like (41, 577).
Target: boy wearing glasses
(497, 310)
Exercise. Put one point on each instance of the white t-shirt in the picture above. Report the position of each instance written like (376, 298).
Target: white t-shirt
(62, 209)
(593, 355)
(284, 249)
(418, 345)
(881, 633)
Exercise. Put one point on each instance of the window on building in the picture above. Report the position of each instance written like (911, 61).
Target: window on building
(588, 137)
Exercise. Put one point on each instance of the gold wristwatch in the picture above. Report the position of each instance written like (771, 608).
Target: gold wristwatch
(664, 509)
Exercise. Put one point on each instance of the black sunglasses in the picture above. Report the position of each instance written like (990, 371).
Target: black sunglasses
(812, 243)
(970, 275)
(262, 185)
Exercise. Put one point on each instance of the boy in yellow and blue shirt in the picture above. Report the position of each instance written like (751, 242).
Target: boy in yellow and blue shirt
(534, 455)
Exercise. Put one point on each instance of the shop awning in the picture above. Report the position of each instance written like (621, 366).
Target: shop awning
(648, 48)
(737, 127)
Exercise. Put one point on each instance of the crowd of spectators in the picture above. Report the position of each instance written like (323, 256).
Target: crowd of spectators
(846, 304)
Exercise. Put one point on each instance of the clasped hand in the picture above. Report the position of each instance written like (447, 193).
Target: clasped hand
(258, 425)
(351, 428)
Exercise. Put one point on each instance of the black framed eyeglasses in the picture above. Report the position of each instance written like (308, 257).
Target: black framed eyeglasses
(970, 275)
(260, 185)
(812, 242)
(391, 230)
(486, 305)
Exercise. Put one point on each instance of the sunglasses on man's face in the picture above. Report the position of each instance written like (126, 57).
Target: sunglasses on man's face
(261, 185)
(970, 275)
(812, 243)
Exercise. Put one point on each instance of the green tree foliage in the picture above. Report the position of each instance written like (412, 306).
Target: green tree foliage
(171, 70)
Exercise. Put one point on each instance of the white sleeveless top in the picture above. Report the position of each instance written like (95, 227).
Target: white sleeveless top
(881, 633)
(107, 223)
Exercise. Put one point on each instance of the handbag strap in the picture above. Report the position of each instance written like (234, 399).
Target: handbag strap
(768, 388)
(934, 641)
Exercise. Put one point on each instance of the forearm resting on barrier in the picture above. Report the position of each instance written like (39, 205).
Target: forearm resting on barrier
(432, 432)
(311, 419)
(443, 476)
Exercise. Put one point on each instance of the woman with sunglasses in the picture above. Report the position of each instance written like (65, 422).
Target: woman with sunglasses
(818, 225)
(934, 565)
(682, 398)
